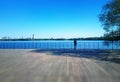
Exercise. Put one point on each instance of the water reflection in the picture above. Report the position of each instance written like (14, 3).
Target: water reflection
(84, 44)
(113, 44)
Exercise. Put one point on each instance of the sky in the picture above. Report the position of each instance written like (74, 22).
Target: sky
(50, 18)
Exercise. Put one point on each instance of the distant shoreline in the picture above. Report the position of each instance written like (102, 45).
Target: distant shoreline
(45, 39)
(26, 39)
(39, 39)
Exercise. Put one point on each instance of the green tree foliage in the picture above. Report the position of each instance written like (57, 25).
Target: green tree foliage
(110, 19)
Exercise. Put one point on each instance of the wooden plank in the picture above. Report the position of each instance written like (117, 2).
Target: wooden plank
(26, 66)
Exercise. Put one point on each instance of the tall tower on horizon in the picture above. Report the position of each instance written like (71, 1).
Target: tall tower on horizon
(33, 36)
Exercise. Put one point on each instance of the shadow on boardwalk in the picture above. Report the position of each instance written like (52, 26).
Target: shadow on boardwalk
(103, 55)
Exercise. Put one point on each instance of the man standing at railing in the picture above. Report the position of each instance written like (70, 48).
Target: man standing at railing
(75, 44)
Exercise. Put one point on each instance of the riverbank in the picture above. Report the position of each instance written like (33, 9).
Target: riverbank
(28, 65)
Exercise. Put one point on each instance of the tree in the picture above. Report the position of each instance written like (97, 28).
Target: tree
(110, 18)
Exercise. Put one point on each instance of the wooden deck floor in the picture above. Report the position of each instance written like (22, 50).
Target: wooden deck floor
(26, 66)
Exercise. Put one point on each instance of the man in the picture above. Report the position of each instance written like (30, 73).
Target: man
(75, 44)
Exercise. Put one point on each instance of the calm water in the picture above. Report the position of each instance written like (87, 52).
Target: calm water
(65, 44)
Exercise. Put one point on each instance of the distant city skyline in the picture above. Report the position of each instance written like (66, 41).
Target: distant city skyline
(50, 18)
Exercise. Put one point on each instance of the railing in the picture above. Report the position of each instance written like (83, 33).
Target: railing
(57, 45)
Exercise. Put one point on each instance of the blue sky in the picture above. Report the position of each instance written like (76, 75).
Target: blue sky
(50, 18)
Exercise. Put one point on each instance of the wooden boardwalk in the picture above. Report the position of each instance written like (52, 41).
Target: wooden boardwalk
(26, 66)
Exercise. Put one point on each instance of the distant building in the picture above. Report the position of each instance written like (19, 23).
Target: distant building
(4, 37)
(33, 37)
(51, 38)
